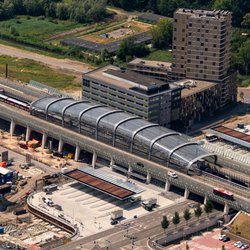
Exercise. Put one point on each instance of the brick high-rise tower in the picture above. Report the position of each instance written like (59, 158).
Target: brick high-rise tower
(201, 44)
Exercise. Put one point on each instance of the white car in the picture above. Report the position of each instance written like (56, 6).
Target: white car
(221, 236)
(172, 174)
(238, 243)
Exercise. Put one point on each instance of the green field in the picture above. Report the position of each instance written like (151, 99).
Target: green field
(244, 81)
(34, 29)
(160, 55)
(26, 70)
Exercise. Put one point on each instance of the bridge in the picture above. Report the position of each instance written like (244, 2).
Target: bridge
(117, 156)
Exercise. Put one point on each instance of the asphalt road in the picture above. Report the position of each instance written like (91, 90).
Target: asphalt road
(75, 67)
(140, 228)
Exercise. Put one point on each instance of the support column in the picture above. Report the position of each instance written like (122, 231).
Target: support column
(60, 146)
(44, 140)
(130, 169)
(12, 127)
(148, 178)
(77, 153)
(186, 194)
(205, 199)
(226, 208)
(28, 132)
(94, 159)
(167, 186)
(112, 162)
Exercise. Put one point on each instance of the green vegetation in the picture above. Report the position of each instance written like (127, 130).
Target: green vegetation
(26, 70)
(128, 49)
(209, 206)
(176, 219)
(164, 223)
(198, 211)
(244, 81)
(187, 215)
(34, 29)
(159, 55)
(162, 34)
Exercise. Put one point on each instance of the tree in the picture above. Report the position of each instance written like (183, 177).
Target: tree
(128, 48)
(162, 34)
(208, 208)
(246, 21)
(198, 211)
(244, 56)
(164, 223)
(105, 55)
(176, 219)
(187, 215)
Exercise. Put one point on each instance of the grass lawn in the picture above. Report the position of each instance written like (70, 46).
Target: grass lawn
(26, 70)
(244, 81)
(159, 55)
(33, 29)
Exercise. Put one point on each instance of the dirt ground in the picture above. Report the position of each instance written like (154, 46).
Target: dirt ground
(135, 27)
(241, 224)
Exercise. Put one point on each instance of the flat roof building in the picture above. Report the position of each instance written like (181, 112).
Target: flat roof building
(154, 69)
(151, 99)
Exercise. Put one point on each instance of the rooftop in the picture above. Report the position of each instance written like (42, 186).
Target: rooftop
(105, 183)
(205, 13)
(127, 79)
(149, 63)
(191, 87)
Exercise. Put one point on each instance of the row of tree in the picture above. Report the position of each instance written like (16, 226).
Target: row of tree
(76, 10)
(208, 208)
(167, 7)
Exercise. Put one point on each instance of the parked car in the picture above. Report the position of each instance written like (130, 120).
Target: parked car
(172, 174)
(221, 236)
(238, 244)
(245, 246)
(114, 222)
(226, 239)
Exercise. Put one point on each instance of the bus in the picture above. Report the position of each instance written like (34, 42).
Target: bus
(223, 193)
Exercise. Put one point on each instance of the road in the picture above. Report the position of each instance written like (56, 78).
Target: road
(121, 236)
(141, 227)
(74, 67)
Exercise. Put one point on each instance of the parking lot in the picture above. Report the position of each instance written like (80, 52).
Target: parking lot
(206, 241)
(90, 209)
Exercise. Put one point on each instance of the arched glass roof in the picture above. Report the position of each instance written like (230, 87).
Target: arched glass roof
(155, 140)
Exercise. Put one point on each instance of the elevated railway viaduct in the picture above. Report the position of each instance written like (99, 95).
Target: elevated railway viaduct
(116, 155)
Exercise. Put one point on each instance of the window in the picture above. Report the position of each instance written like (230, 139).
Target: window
(182, 48)
(215, 27)
(183, 39)
(201, 62)
(175, 20)
(215, 36)
(197, 57)
(182, 66)
(198, 30)
(183, 30)
(205, 58)
(206, 49)
(175, 29)
(202, 44)
(201, 71)
(214, 45)
(189, 43)
(189, 61)
(174, 38)
(190, 25)
(204, 76)
(198, 39)
(214, 63)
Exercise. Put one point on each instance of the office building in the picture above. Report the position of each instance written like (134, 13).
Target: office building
(151, 99)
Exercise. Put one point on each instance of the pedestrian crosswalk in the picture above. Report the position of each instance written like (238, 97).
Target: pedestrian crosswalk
(228, 153)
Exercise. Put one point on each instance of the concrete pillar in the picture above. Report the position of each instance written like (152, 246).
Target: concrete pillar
(44, 140)
(112, 162)
(94, 159)
(226, 208)
(167, 186)
(77, 153)
(12, 127)
(186, 194)
(205, 199)
(148, 178)
(28, 132)
(60, 146)
(130, 169)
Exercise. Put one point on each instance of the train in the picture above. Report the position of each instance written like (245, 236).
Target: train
(223, 193)
(14, 102)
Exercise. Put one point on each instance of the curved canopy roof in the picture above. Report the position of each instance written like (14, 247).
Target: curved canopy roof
(157, 141)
